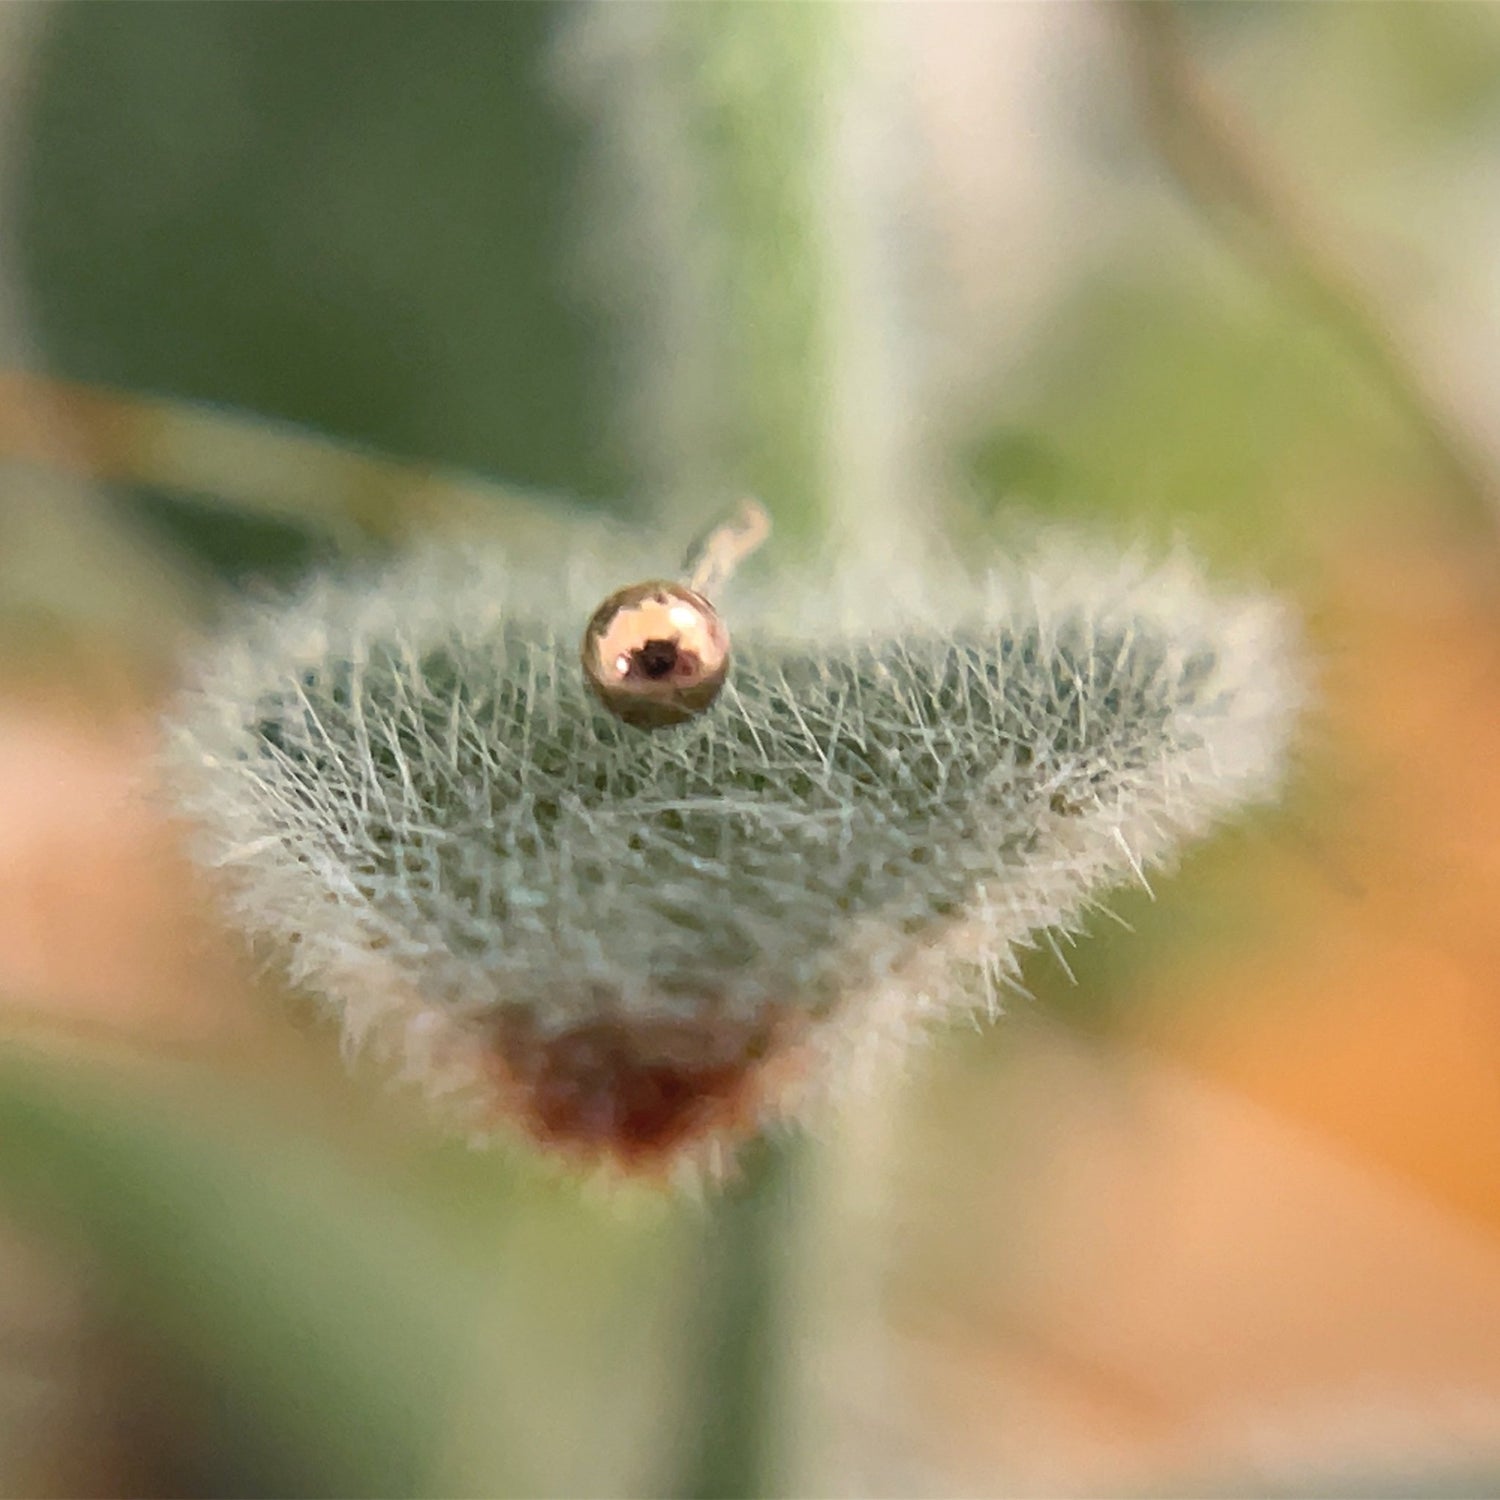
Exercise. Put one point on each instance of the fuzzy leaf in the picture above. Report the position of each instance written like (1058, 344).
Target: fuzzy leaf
(646, 939)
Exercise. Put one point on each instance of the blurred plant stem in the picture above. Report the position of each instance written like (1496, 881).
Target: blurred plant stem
(736, 1413)
(745, 239)
(238, 461)
(756, 369)
(1261, 216)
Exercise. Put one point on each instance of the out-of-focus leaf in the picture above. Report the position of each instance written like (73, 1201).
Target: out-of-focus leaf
(351, 219)
(1191, 404)
(327, 1327)
(1360, 77)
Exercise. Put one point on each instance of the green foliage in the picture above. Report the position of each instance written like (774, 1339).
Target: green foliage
(353, 218)
(326, 1327)
(1198, 404)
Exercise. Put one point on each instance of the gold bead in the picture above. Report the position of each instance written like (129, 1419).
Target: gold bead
(656, 654)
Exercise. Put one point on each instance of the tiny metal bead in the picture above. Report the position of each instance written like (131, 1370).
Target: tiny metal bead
(655, 654)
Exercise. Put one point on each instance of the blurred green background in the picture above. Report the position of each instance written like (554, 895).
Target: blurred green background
(233, 1270)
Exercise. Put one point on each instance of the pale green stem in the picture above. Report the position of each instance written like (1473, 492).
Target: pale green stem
(754, 396)
(735, 1437)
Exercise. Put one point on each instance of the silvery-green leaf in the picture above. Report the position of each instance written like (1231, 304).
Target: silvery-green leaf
(638, 943)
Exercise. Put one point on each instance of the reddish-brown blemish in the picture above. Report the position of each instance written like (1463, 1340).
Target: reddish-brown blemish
(639, 1093)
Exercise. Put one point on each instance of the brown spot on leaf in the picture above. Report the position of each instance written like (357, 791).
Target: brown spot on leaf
(640, 1093)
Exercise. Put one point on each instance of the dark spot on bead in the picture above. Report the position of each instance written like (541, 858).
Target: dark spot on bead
(655, 654)
(656, 659)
